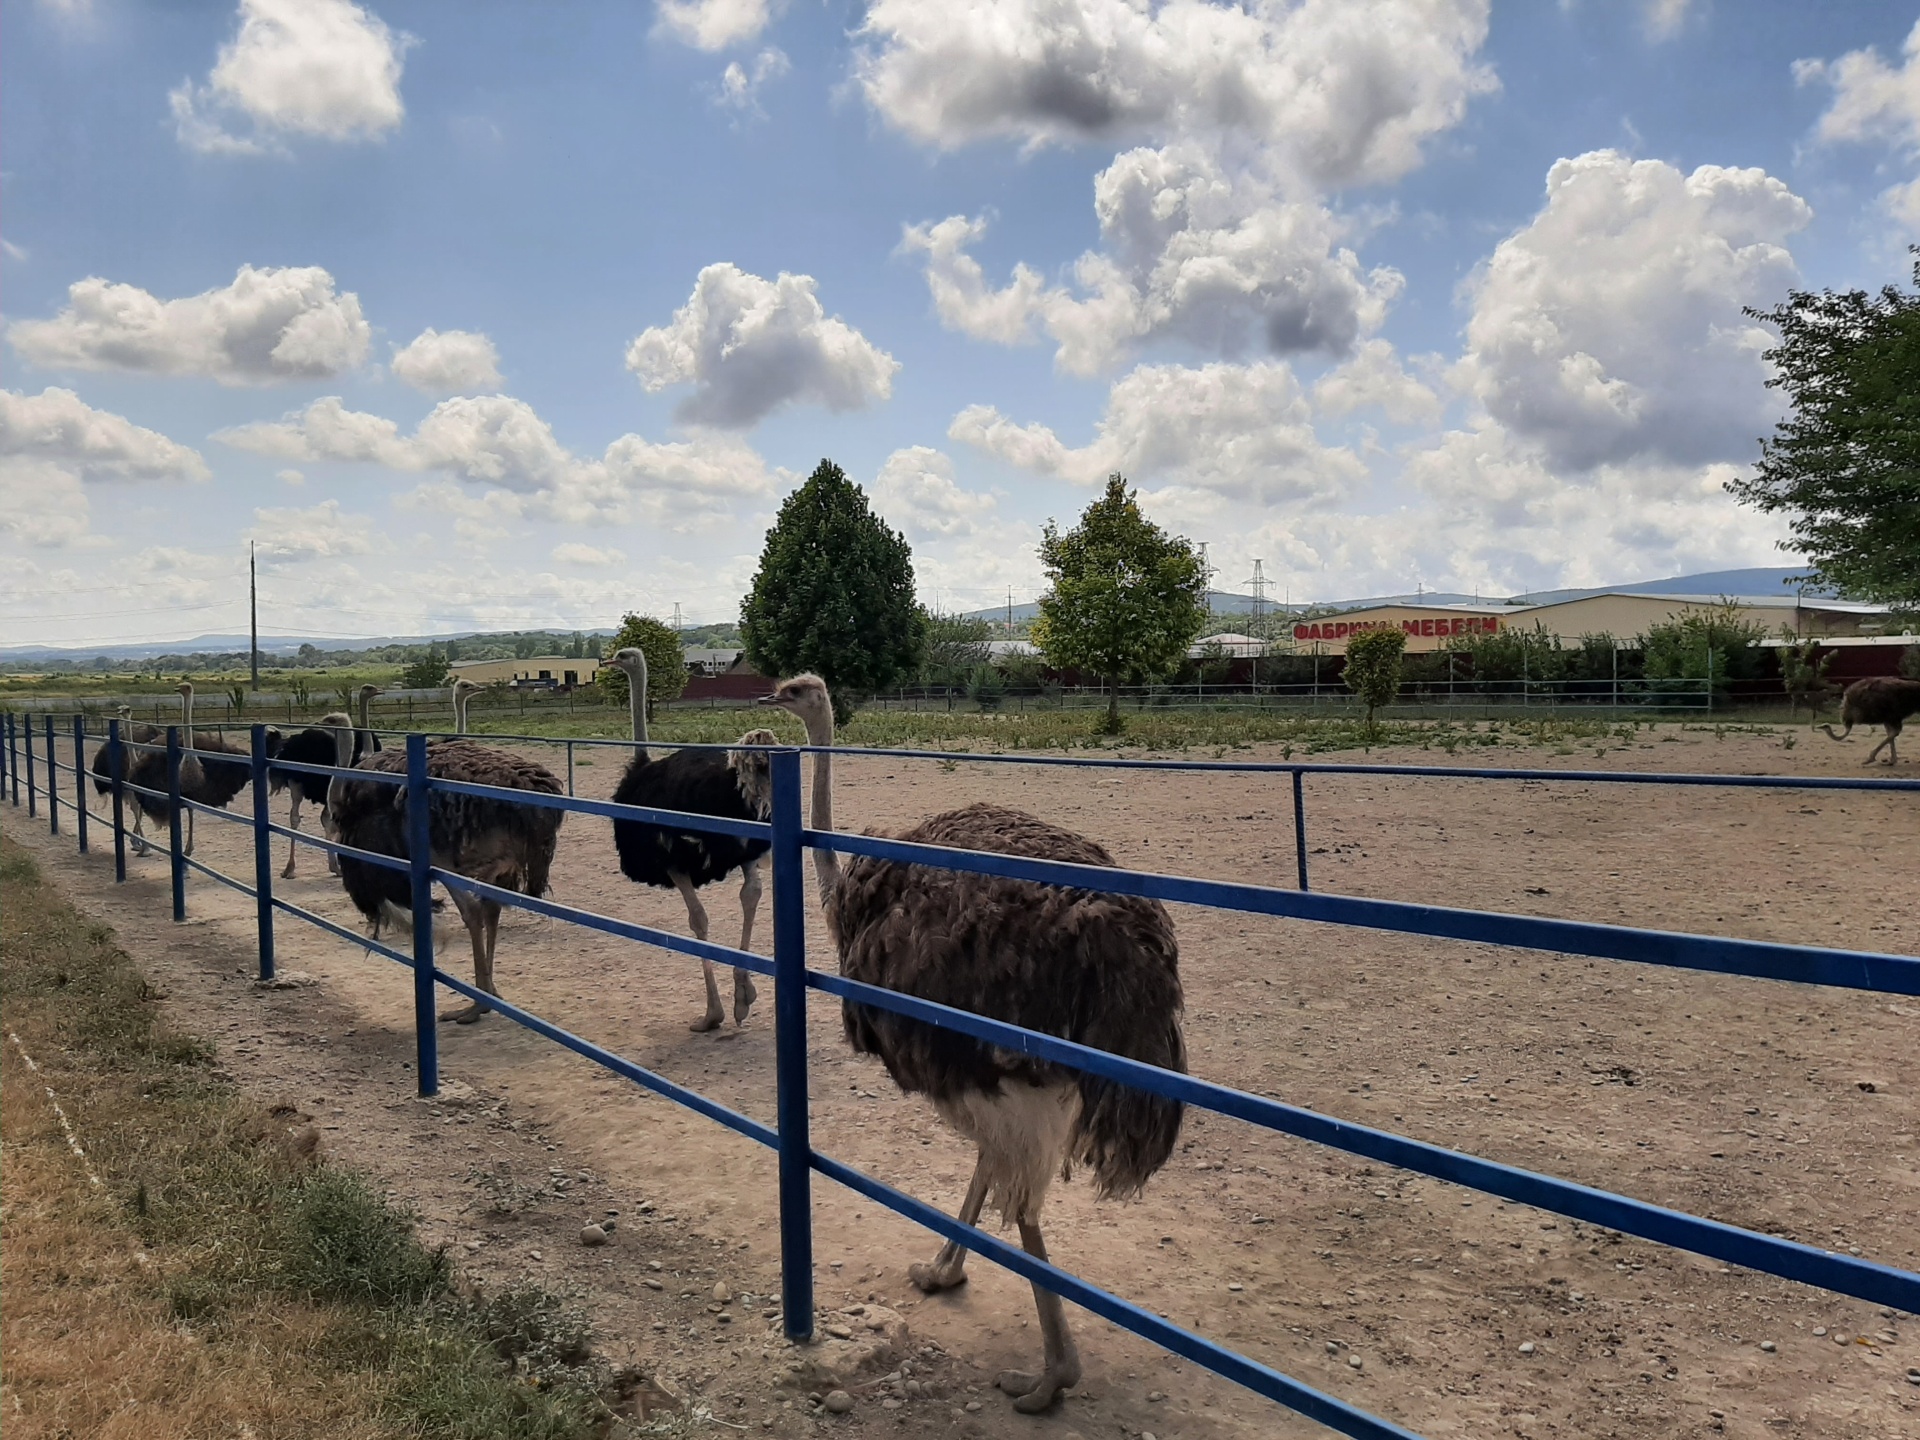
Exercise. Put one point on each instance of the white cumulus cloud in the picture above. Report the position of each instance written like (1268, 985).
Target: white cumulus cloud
(1241, 433)
(916, 491)
(267, 326)
(1374, 378)
(324, 69)
(448, 362)
(1191, 252)
(749, 346)
(593, 557)
(714, 24)
(1875, 101)
(317, 532)
(501, 448)
(1334, 92)
(59, 427)
(1611, 326)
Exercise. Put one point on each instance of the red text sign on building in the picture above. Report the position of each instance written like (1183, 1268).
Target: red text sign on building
(1428, 625)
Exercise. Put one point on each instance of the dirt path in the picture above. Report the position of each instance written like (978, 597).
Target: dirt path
(1771, 1106)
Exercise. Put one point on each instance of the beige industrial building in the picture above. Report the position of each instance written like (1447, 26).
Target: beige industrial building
(534, 672)
(1620, 614)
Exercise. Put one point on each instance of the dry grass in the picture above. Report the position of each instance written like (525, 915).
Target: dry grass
(214, 1281)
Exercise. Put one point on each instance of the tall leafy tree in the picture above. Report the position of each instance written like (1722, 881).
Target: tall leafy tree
(834, 594)
(1844, 464)
(1125, 598)
(956, 646)
(666, 665)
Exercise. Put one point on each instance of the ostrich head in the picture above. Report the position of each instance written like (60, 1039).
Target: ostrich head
(630, 659)
(184, 689)
(463, 688)
(807, 697)
(367, 692)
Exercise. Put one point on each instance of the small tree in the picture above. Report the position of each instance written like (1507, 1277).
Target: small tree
(1803, 673)
(1373, 668)
(834, 594)
(956, 646)
(1125, 598)
(666, 664)
(429, 672)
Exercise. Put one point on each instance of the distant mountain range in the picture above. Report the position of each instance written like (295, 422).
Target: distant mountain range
(232, 644)
(1709, 585)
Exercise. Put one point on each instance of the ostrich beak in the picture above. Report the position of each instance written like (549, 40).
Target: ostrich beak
(770, 700)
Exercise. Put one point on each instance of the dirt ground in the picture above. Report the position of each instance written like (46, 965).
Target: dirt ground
(1776, 1107)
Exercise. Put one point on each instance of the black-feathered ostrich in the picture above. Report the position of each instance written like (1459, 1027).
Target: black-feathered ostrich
(212, 779)
(496, 841)
(140, 734)
(736, 785)
(1102, 970)
(1879, 700)
(318, 744)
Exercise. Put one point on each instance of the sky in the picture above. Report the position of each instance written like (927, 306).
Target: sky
(495, 316)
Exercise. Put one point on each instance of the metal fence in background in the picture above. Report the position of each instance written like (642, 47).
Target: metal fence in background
(789, 838)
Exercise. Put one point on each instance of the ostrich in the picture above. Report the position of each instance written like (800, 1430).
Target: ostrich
(209, 780)
(1878, 700)
(365, 742)
(318, 744)
(733, 786)
(102, 767)
(495, 841)
(463, 691)
(1102, 970)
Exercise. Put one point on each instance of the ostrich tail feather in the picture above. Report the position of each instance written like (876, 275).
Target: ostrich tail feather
(1126, 1134)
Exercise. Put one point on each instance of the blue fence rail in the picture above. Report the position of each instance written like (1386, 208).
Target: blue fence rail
(789, 837)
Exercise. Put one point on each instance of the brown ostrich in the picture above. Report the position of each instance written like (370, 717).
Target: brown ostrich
(1879, 700)
(213, 777)
(1102, 970)
(495, 841)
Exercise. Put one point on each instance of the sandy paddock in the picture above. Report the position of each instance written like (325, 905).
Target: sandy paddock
(1771, 1106)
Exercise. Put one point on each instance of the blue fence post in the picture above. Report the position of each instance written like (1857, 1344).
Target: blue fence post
(116, 768)
(7, 766)
(176, 854)
(1300, 829)
(569, 769)
(790, 1050)
(53, 783)
(80, 780)
(420, 867)
(27, 725)
(262, 853)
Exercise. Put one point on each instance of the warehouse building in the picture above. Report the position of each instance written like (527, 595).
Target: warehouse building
(535, 672)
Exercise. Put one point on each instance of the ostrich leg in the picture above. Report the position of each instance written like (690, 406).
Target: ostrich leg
(293, 824)
(743, 992)
(697, 922)
(1034, 1393)
(474, 915)
(948, 1268)
(1893, 755)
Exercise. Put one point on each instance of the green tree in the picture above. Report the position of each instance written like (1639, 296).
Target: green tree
(1844, 464)
(1125, 598)
(1803, 672)
(666, 665)
(955, 647)
(1698, 646)
(1373, 668)
(834, 594)
(427, 672)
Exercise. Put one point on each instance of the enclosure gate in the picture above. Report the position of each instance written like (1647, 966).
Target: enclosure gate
(789, 837)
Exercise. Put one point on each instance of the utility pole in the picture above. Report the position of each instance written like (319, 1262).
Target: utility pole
(253, 614)
(1009, 609)
(677, 627)
(1259, 584)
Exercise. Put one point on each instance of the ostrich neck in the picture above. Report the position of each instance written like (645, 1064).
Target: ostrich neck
(186, 715)
(826, 864)
(342, 757)
(637, 703)
(459, 713)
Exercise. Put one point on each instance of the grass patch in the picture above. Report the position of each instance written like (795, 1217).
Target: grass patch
(220, 1281)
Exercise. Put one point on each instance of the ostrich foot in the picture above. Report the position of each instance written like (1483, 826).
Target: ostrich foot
(1034, 1393)
(743, 997)
(709, 1021)
(937, 1276)
(466, 1014)
(287, 873)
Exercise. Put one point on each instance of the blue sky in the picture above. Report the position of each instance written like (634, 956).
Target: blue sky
(543, 310)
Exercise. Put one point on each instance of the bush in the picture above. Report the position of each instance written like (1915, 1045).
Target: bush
(985, 687)
(666, 662)
(344, 1242)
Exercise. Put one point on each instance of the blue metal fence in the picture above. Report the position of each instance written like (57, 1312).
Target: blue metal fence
(798, 1161)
